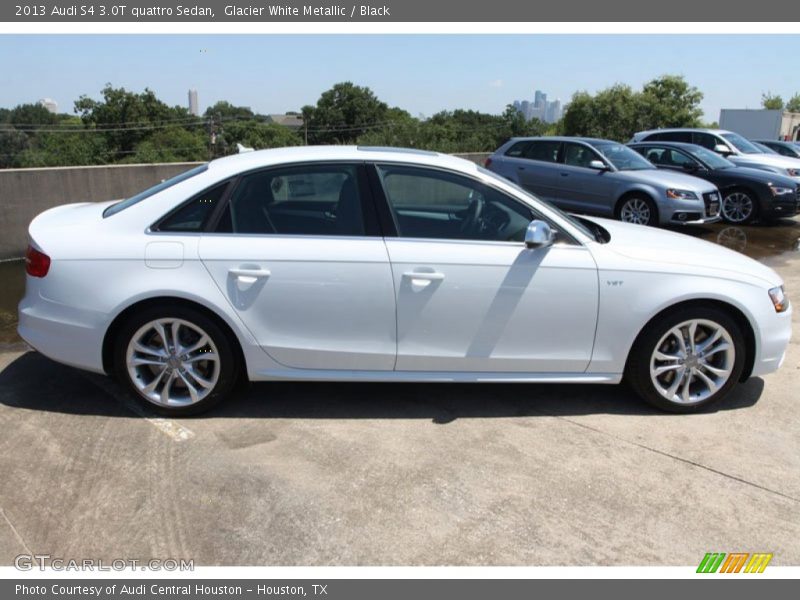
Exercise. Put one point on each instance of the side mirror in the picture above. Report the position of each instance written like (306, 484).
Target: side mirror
(539, 235)
(722, 149)
(598, 165)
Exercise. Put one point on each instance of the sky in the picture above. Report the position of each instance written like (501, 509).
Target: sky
(422, 74)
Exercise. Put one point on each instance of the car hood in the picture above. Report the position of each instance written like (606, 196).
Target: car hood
(656, 249)
(669, 179)
(772, 160)
(759, 175)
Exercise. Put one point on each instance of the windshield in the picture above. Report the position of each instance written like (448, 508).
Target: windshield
(120, 206)
(622, 157)
(711, 159)
(572, 220)
(741, 144)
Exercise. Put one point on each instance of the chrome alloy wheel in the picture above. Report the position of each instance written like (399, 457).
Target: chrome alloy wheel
(172, 362)
(737, 207)
(635, 211)
(692, 361)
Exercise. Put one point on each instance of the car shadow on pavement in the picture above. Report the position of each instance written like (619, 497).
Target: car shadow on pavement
(34, 382)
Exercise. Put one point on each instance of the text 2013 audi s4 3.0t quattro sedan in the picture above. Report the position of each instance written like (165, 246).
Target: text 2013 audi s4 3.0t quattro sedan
(368, 264)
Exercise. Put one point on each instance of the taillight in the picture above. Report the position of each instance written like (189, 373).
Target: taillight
(487, 163)
(37, 264)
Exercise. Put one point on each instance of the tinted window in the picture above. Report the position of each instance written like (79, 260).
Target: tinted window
(706, 140)
(120, 206)
(313, 200)
(668, 157)
(675, 136)
(578, 155)
(194, 215)
(544, 150)
(622, 157)
(435, 204)
(741, 144)
(711, 159)
(518, 149)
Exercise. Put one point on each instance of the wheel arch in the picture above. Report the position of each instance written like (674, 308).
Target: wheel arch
(740, 317)
(637, 191)
(113, 329)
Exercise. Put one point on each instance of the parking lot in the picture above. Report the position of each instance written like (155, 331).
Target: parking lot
(419, 474)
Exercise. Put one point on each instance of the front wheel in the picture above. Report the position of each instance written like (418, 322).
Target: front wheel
(738, 206)
(176, 360)
(687, 360)
(638, 210)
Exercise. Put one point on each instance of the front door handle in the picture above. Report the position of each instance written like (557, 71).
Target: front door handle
(423, 278)
(249, 275)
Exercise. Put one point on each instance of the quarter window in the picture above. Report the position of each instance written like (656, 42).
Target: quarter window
(312, 200)
(194, 215)
(435, 204)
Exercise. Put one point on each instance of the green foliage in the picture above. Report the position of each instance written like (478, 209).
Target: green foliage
(793, 105)
(343, 114)
(253, 134)
(172, 144)
(618, 111)
(771, 101)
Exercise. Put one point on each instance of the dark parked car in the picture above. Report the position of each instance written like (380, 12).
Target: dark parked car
(791, 149)
(747, 194)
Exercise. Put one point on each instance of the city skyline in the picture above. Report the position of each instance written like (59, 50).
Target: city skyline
(547, 111)
(422, 74)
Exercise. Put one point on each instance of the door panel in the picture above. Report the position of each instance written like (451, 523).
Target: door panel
(483, 306)
(311, 303)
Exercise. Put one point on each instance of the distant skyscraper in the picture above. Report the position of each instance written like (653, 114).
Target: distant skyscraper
(49, 104)
(540, 108)
(194, 108)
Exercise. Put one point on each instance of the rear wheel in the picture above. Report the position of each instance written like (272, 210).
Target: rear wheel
(176, 360)
(687, 360)
(738, 206)
(638, 210)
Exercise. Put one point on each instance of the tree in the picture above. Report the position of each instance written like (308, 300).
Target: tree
(669, 101)
(125, 119)
(343, 113)
(793, 105)
(618, 112)
(254, 134)
(771, 102)
(172, 144)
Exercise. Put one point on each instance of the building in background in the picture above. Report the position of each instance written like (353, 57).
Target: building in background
(194, 107)
(540, 108)
(50, 104)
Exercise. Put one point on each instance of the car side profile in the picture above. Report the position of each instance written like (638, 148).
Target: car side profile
(605, 178)
(367, 264)
(790, 149)
(747, 194)
(729, 144)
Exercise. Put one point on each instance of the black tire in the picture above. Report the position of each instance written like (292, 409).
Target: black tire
(224, 370)
(742, 196)
(637, 200)
(638, 374)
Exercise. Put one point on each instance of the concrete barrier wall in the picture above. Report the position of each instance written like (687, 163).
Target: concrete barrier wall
(24, 193)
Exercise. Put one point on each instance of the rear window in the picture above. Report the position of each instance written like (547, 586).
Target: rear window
(167, 183)
(518, 149)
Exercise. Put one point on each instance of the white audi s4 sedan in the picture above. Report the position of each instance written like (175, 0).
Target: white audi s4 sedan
(378, 264)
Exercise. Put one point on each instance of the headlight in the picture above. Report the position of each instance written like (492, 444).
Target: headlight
(779, 299)
(793, 172)
(781, 191)
(681, 195)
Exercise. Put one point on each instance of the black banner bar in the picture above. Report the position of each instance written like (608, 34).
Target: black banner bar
(472, 11)
(730, 588)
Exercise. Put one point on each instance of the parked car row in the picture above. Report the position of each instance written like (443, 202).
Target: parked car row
(663, 177)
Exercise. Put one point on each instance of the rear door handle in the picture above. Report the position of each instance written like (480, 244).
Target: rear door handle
(423, 278)
(249, 275)
(565, 174)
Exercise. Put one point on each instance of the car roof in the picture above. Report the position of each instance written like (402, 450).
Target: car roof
(256, 159)
(563, 138)
(683, 145)
(664, 129)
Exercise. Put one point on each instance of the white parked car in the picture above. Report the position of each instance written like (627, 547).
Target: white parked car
(369, 264)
